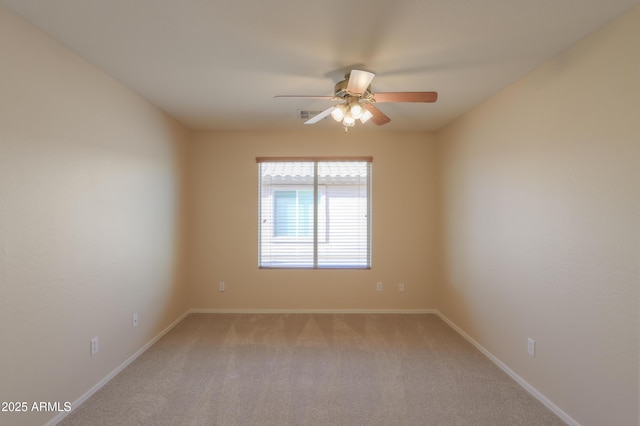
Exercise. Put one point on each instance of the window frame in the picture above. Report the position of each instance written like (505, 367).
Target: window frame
(317, 238)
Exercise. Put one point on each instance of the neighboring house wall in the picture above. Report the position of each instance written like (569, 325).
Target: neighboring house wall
(540, 216)
(90, 221)
(223, 223)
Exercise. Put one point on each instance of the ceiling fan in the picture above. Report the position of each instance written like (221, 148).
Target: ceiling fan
(356, 100)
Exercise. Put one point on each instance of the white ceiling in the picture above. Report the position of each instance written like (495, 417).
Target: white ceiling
(217, 64)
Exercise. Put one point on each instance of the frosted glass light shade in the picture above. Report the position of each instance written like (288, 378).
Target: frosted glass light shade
(366, 115)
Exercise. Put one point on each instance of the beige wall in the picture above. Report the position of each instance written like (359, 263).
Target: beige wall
(90, 213)
(540, 214)
(223, 223)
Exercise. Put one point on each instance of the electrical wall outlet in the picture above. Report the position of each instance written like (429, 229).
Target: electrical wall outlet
(531, 347)
(94, 346)
(379, 287)
(221, 286)
(135, 320)
(401, 287)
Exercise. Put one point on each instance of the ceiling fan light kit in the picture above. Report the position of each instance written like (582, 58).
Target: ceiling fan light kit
(357, 100)
(348, 112)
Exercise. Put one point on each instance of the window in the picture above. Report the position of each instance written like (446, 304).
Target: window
(314, 213)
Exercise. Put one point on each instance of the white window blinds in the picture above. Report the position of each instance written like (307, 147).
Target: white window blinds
(314, 212)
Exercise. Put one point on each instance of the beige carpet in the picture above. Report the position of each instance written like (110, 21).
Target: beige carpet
(312, 369)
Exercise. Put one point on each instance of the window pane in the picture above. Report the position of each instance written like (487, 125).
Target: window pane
(283, 224)
(347, 243)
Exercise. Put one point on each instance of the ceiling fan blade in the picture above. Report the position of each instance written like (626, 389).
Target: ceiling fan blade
(304, 96)
(320, 116)
(359, 81)
(378, 117)
(406, 97)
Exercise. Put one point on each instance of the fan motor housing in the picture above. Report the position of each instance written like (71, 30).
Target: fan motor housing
(340, 89)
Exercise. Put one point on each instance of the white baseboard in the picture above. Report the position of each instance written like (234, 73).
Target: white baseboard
(310, 311)
(533, 391)
(117, 370)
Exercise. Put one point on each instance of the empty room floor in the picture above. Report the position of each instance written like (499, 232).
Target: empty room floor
(312, 369)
